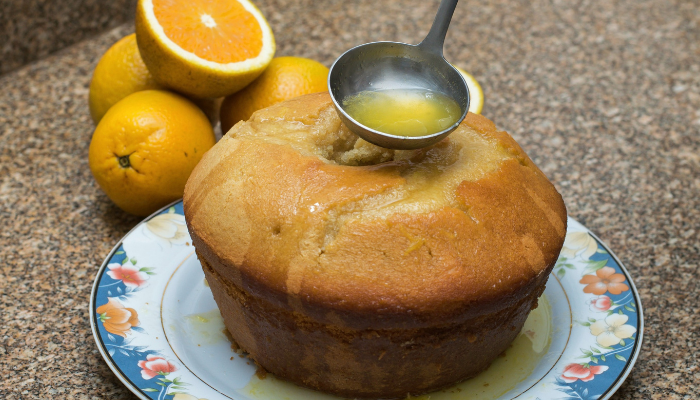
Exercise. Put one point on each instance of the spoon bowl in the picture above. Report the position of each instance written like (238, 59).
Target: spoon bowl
(393, 65)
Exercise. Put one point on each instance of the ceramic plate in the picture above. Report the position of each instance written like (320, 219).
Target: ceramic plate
(157, 326)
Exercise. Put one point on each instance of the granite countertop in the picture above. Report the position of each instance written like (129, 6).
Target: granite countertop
(32, 29)
(604, 96)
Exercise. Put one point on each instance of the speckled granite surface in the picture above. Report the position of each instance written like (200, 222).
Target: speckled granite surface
(605, 97)
(32, 29)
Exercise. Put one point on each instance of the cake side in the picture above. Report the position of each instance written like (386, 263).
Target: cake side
(368, 363)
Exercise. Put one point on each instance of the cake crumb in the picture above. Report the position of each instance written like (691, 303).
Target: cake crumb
(234, 345)
(261, 372)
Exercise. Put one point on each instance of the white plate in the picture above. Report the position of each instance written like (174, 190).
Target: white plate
(157, 326)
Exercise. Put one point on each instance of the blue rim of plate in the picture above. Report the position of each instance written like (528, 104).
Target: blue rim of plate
(117, 366)
(640, 322)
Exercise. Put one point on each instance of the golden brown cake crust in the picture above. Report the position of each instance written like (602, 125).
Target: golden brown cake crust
(368, 272)
(280, 216)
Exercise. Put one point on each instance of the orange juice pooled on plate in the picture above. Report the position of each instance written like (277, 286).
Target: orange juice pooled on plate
(403, 112)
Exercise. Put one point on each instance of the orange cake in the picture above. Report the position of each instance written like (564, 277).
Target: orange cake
(367, 272)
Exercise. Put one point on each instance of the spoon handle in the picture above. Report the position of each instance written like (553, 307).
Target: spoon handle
(435, 39)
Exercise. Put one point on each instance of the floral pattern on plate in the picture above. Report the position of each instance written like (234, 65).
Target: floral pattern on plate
(608, 330)
(118, 328)
(137, 317)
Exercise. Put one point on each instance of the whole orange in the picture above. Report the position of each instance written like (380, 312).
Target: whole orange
(119, 73)
(145, 147)
(284, 78)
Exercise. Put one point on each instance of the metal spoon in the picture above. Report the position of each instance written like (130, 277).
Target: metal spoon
(395, 65)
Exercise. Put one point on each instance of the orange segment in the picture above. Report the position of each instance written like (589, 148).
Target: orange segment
(476, 94)
(219, 31)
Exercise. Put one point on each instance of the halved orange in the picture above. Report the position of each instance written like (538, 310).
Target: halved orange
(476, 94)
(203, 48)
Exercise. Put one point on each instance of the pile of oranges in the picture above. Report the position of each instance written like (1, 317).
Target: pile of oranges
(157, 95)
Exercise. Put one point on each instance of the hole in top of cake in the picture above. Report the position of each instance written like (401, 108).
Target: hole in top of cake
(325, 136)
(362, 153)
(339, 145)
(354, 151)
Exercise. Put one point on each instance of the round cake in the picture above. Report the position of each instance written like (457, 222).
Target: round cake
(367, 272)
